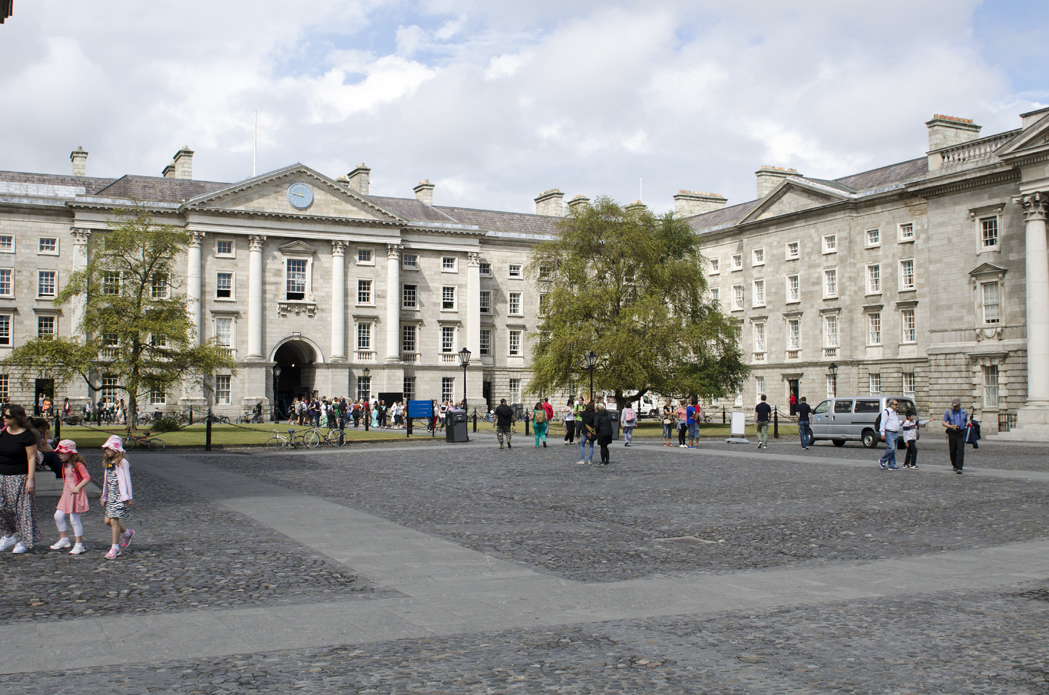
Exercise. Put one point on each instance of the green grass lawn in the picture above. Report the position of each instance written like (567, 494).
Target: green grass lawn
(221, 435)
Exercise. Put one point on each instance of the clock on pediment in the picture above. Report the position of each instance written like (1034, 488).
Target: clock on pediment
(300, 195)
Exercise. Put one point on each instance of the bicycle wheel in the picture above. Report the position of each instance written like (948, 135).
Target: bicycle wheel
(275, 442)
(156, 444)
(131, 443)
(311, 439)
(336, 438)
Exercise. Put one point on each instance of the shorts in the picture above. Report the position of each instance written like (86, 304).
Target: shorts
(693, 431)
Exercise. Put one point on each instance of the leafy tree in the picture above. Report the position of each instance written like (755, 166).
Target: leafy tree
(136, 325)
(630, 287)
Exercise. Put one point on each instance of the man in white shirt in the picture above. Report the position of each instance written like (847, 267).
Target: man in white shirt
(890, 429)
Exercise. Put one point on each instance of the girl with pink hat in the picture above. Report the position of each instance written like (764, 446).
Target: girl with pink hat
(74, 500)
(116, 494)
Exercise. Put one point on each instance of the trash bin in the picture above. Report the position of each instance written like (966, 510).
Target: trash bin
(613, 415)
(455, 426)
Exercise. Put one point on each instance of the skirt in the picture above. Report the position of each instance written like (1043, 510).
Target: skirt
(16, 509)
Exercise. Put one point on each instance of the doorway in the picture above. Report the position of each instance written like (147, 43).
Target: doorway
(45, 388)
(794, 393)
(296, 360)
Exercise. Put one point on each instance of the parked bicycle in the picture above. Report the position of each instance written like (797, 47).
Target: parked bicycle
(154, 443)
(250, 418)
(335, 438)
(308, 439)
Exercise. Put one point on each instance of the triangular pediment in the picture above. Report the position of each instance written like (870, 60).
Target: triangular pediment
(987, 269)
(1032, 139)
(272, 194)
(793, 195)
(298, 248)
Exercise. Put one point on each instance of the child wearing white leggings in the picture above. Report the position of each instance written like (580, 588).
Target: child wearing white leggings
(73, 502)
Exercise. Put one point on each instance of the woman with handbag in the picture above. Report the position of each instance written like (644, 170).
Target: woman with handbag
(669, 420)
(17, 481)
(588, 433)
(603, 423)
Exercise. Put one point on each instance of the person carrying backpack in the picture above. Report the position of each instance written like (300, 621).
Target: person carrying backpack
(539, 424)
(890, 430)
(629, 423)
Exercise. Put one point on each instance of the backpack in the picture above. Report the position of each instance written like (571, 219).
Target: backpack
(877, 421)
(540, 416)
(630, 418)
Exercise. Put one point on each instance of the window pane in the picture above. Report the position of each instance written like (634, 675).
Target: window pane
(830, 324)
(448, 298)
(296, 281)
(364, 291)
(486, 302)
(5, 329)
(874, 326)
(364, 336)
(447, 339)
(224, 285)
(991, 303)
(224, 331)
(407, 338)
(989, 231)
(46, 284)
(515, 342)
(486, 341)
(515, 302)
(409, 297)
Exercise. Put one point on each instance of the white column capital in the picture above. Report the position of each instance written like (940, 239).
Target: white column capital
(393, 250)
(473, 259)
(338, 248)
(196, 239)
(255, 242)
(80, 236)
(1034, 205)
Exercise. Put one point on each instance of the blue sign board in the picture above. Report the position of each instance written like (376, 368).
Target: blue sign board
(420, 408)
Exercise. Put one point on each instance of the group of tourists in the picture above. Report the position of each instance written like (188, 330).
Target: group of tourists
(374, 413)
(960, 429)
(25, 451)
(683, 421)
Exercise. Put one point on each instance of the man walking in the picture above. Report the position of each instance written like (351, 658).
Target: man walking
(890, 430)
(955, 421)
(762, 411)
(504, 419)
(804, 431)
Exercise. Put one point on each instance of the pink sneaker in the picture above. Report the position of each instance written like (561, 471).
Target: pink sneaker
(126, 540)
(113, 554)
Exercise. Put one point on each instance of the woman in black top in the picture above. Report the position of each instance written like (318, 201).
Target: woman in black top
(587, 433)
(17, 481)
(603, 423)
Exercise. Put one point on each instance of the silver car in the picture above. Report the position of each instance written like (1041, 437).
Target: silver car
(851, 418)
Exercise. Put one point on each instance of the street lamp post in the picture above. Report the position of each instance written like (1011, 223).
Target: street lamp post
(464, 360)
(276, 385)
(591, 362)
(368, 398)
(832, 372)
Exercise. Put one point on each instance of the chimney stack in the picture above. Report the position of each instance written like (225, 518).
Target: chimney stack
(360, 179)
(690, 203)
(169, 170)
(550, 203)
(79, 159)
(769, 177)
(184, 163)
(636, 206)
(578, 203)
(424, 192)
(945, 131)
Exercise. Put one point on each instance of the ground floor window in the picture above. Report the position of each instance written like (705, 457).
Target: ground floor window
(759, 383)
(364, 388)
(222, 389)
(515, 390)
(908, 384)
(874, 382)
(109, 388)
(447, 388)
(409, 388)
(158, 397)
(832, 385)
(5, 389)
(990, 386)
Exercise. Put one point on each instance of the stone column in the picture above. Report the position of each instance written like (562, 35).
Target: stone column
(338, 301)
(193, 283)
(80, 239)
(393, 303)
(1036, 410)
(473, 306)
(255, 283)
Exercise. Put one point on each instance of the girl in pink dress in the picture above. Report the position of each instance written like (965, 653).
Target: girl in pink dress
(73, 502)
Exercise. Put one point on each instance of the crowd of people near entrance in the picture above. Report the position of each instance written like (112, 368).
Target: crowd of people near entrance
(370, 413)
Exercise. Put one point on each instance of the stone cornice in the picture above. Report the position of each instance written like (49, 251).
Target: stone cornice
(972, 178)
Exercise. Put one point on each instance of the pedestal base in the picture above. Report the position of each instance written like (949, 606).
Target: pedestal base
(1032, 424)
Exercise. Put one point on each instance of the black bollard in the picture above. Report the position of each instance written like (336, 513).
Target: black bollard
(775, 423)
(191, 415)
(207, 433)
(58, 428)
(526, 424)
(475, 419)
(408, 428)
(723, 420)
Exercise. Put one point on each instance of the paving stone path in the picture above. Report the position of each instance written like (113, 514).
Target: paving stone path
(717, 570)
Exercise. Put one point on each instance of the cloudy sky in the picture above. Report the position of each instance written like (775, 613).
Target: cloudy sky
(496, 101)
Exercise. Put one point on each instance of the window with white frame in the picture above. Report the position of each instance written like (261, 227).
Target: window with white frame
(907, 274)
(46, 281)
(908, 384)
(45, 326)
(410, 261)
(448, 264)
(48, 246)
(514, 344)
(874, 279)
(364, 336)
(990, 386)
(544, 272)
(223, 285)
(830, 331)
(410, 297)
(759, 387)
(111, 283)
(793, 250)
(224, 331)
(759, 256)
(873, 237)
(158, 341)
(759, 293)
(793, 288)
(485, 268)
(515, 270)
(992, 306)
(365, 257)
(447, 339)
(364, 388)
(832, 385)
(830, 243)
(447, 388)
(715, 266)
(715, 294)
(989, 233)
(295, 279)
(544, 303)
(408, 388)
(7, 243)
(906, 231)
(793, 334)
(109, 388)
(409, 334)
(737, 297)
(486, 341)
(738, 333)
(485, 305)
(448, 298)
(738, 400)
(224, 247)
(908, 327)
(515, 390)
(364, 291)
(830, 283)
(159, 286)
(7, 282)
(737, 261)
(5, 388)
(5, 330)
(515, 304)
(158, 397)
(759, 336)
(874, 384)
(874, 328)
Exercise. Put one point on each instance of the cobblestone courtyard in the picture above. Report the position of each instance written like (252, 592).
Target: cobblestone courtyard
(464, 569)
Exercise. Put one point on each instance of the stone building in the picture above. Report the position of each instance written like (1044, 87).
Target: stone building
(927, 278)
(313, 284)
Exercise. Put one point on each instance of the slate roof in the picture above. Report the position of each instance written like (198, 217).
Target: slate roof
(412, 209)
(158, 188)
(497, 221)
(88, 183)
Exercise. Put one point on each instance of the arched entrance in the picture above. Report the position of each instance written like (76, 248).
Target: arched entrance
(296, 359)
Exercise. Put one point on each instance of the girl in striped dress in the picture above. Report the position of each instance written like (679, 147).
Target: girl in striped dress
(116, 494)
